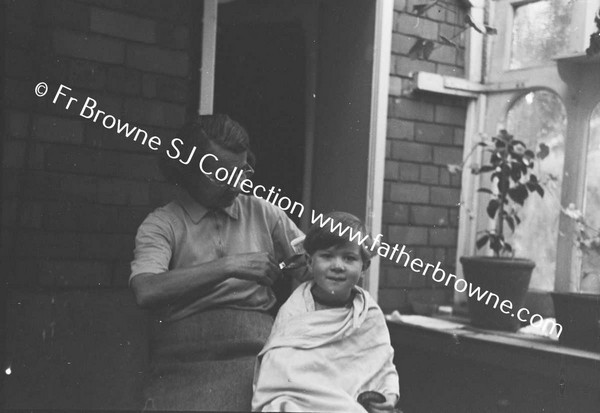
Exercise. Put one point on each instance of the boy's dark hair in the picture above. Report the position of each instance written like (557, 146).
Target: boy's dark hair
(320, 238)
(219, 129)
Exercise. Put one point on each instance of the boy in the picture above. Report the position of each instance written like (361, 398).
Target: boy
(329, 343)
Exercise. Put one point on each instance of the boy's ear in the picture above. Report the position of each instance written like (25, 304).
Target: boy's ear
(366, 265)
(308, 259)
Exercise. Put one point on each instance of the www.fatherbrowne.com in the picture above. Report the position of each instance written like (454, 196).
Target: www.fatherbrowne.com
(399, 255)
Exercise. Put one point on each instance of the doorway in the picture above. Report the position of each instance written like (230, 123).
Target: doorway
(260, 81)
(309, 80)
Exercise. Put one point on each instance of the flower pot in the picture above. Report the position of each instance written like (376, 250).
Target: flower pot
(508, 278)
(579, 315)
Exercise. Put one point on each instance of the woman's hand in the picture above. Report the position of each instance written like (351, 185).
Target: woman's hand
(254, 266)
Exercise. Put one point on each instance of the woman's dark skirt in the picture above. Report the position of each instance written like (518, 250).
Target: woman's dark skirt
(206, 361)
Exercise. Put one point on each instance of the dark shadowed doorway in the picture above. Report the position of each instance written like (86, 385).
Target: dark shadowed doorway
(260, 82)
(260, 78)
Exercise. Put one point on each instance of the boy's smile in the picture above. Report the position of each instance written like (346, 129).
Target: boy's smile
(336, 271)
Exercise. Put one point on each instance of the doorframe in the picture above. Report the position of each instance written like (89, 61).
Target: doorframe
(207, 63)
(382, 50)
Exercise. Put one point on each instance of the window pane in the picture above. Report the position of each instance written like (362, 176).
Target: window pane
(591, 261)
(541, 30)
(540, 117)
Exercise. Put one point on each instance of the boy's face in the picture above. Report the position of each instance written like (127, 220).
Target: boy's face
(336, 270)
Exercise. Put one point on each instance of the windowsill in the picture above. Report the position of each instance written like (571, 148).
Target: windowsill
(515, 351)
(502, 337)
(580, 58)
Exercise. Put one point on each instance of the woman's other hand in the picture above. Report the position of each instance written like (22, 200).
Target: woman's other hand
(260, 267)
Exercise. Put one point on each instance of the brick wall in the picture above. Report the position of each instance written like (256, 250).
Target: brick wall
(425, 132)
(73, 192)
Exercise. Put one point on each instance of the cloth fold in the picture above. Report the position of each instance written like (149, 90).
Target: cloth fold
(322, 360)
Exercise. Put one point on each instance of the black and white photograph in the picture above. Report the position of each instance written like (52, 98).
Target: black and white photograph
(370, 206)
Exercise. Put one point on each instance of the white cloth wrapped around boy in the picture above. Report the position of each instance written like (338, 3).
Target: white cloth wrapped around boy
(322, 360)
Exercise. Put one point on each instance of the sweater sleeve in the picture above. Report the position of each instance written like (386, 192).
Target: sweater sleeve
(153, 246)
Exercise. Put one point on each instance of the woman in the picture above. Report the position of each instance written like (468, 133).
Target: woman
(204, 265)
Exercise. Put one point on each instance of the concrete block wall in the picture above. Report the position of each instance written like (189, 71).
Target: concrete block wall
(425, 133)
(73, 192)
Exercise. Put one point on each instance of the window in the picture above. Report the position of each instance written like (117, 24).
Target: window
(541, 88)
(540, 117)
(590, 264)
(540, 31)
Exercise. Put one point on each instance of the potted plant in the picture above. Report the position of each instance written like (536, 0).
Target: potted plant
(510, 164)
(579, 311)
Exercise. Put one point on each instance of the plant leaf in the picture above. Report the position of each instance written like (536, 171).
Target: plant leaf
(503, 184)
(535, 187)
(495, 158)
(482, 241)
(492, 208)
(510, 221)
(518, 194)
(544, 151)
(454, 168)
(515, 172)
(419, 9)
(464, 4)
(496, 243)
(421, 49)
(538, 188)
(474, 25)
(427, 49)
(485, 190)
(505, 136)
(490, 30)
(523, 168)
(417, 48)
(500, 144)
(448, 42)
(486, 168)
